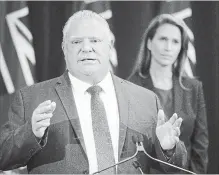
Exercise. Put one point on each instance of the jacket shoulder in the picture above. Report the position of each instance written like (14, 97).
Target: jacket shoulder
(191, 83)
(136, 89)
(41, 85)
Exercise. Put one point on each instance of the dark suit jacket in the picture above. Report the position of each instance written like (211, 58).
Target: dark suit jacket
(64, 149)
(190, 106)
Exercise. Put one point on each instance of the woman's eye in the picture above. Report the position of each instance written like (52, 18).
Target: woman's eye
(163, 39)
(175, 41)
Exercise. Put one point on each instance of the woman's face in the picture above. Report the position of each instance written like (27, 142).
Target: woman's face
(165, 45)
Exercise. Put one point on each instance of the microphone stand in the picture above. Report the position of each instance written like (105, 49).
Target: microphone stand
(123, 161)
(140, 147)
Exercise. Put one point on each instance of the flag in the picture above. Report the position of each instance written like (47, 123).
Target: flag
(17, 58)
(183, 10)
(16, 52)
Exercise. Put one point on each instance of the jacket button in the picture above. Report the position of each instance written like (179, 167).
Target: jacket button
(31, 151)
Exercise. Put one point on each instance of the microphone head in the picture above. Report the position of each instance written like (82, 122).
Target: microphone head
(137, 138)
(140, 138)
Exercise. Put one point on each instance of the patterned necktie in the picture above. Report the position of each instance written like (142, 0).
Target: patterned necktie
(102, 138)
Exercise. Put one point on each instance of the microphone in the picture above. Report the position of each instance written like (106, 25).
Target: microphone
(138, 140)
(135, 163)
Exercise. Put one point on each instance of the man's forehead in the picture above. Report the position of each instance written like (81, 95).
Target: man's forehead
(87, 27)
(84, 23)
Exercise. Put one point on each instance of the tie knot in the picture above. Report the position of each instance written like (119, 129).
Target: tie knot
(94, 90)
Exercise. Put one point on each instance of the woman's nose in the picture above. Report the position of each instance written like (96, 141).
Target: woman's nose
(168, 45)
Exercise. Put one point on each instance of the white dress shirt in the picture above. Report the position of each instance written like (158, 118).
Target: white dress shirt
(82, 101)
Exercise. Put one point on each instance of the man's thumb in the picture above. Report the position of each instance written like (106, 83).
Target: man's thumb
(160, 117)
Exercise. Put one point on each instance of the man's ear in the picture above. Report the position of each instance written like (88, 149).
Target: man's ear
(111, 44)
(64, 48)
(110, 50)
(149, 44)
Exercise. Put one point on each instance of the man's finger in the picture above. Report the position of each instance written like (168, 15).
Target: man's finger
(42, 129)
(45, 122)
(44, 109)
(42, 124)
(177, 131)
(47, 102)
(43, 117)
(178, 122)
(53, 106)
(176, 139)
(160, 117)
(173, 119)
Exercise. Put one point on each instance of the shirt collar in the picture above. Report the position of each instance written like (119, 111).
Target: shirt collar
(107, 83)
(80, 86)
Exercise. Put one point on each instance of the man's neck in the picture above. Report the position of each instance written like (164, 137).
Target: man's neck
(90, 79)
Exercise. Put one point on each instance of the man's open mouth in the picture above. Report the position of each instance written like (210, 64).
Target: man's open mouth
(88, 59)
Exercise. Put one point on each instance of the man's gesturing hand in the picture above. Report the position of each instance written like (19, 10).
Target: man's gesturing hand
(168, 132)
(41, 117)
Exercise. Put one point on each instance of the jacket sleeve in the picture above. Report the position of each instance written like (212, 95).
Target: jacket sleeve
(199, 150)
(17, 141)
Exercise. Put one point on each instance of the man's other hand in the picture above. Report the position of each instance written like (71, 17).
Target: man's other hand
(41, 117)
(168, 132)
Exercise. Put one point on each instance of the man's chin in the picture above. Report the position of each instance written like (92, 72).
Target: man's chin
(94, 76)
(89, 72)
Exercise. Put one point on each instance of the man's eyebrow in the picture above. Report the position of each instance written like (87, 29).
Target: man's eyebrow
(76, 37)
(89, 37)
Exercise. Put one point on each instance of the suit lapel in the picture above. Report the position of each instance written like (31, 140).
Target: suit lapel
(177, 91)
(177, 95)
(64, 91)
(147, 83)
(123, 106)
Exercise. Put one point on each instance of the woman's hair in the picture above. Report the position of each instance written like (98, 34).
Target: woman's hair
(143, 61)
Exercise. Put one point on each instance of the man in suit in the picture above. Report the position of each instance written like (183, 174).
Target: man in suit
(84, 120)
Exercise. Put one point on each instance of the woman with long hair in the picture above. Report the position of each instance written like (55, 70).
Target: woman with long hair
(160, 68)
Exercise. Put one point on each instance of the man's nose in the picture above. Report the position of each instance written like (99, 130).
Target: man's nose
(86, 47)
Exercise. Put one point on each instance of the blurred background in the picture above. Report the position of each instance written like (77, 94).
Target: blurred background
(31, 36)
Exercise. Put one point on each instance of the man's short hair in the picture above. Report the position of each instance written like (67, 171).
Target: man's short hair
(86, 14)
